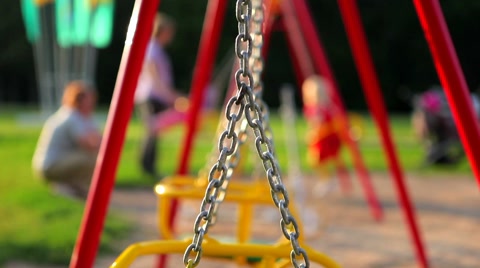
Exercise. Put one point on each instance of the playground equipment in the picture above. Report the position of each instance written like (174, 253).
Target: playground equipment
(273, 256)
(440, 43)
(246, 103)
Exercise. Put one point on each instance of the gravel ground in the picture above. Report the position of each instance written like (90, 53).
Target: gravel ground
(340, 224)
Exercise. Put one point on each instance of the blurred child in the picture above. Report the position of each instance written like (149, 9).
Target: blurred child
(322, 137)
(433, 124)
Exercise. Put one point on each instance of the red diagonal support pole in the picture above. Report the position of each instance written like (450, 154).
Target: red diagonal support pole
(312, 38)
(452, 79)
(299, 75)
(207, 51)
(110, 150)
(297, 47)
(371, 87)
(269, 21)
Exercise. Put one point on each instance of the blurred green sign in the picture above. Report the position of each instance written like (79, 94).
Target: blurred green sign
(30, 14)
(83, 21)
(101, 27)
(64, 22)
(77, 22)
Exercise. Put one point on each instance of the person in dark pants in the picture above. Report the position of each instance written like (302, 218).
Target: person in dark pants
(155, 91)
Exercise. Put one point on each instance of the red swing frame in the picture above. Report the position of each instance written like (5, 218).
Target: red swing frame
(441, 47)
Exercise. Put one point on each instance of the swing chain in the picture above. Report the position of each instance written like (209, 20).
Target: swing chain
(222, 170)
(231, 163)
(256, 114)
(256, 66)
(218, 178)
(257, 62)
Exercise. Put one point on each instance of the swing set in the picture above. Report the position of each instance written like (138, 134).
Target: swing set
(251, 44)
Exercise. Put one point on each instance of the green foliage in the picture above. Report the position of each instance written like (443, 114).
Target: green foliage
(400, 53)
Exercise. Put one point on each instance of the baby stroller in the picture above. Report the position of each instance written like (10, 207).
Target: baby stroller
(433, 124)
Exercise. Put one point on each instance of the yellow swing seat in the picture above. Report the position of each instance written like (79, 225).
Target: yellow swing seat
(246, 194)
(273, 256)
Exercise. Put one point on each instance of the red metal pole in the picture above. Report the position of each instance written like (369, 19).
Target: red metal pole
(269, 21)
(371, 87)
(212, 27)
(452, 79)
(118, 117)
(322, 65)
(299, 76)
(302, 59)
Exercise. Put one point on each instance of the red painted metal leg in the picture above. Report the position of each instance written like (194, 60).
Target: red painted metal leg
(322, 65)
(371, 87)
(118, 117)
(299, 76)
(452, 79)
(207, 51)
(268, 25)
(302, 60)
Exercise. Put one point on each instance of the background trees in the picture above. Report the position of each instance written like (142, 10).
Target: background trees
(396, 40)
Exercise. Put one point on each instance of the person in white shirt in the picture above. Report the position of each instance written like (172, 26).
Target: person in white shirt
(155, 91)
(66, 151)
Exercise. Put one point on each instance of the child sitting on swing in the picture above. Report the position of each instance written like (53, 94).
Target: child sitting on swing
(322, 137)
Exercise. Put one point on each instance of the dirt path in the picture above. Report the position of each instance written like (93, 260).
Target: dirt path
(448, 214)
(447, 208)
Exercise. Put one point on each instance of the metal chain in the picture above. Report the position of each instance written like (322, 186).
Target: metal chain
(231, 163)
(247, 101)
(228, 142)
(219, 174)
(257, 63)
(256, 112)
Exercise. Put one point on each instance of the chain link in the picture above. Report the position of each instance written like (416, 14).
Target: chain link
(248, 46)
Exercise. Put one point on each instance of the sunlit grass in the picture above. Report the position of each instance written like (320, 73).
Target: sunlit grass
(39, 226)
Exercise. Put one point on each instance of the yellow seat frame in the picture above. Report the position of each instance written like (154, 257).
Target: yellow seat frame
(273, 256)
(245, 194)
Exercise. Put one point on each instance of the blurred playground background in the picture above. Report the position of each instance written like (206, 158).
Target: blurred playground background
(40, 227)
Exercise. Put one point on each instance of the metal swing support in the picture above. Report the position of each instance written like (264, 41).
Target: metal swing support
(371, 87)
(121, 107)
(446, 63)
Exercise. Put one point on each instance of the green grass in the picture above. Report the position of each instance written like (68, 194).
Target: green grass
(36, 225)
(41, 227)
(409, 151)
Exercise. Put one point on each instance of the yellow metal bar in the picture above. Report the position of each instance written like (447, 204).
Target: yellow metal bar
(244, 227)
(216, 249)
(245, 220)
(245, 194)
(163, 216)
(237, 193)
(202, 182)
